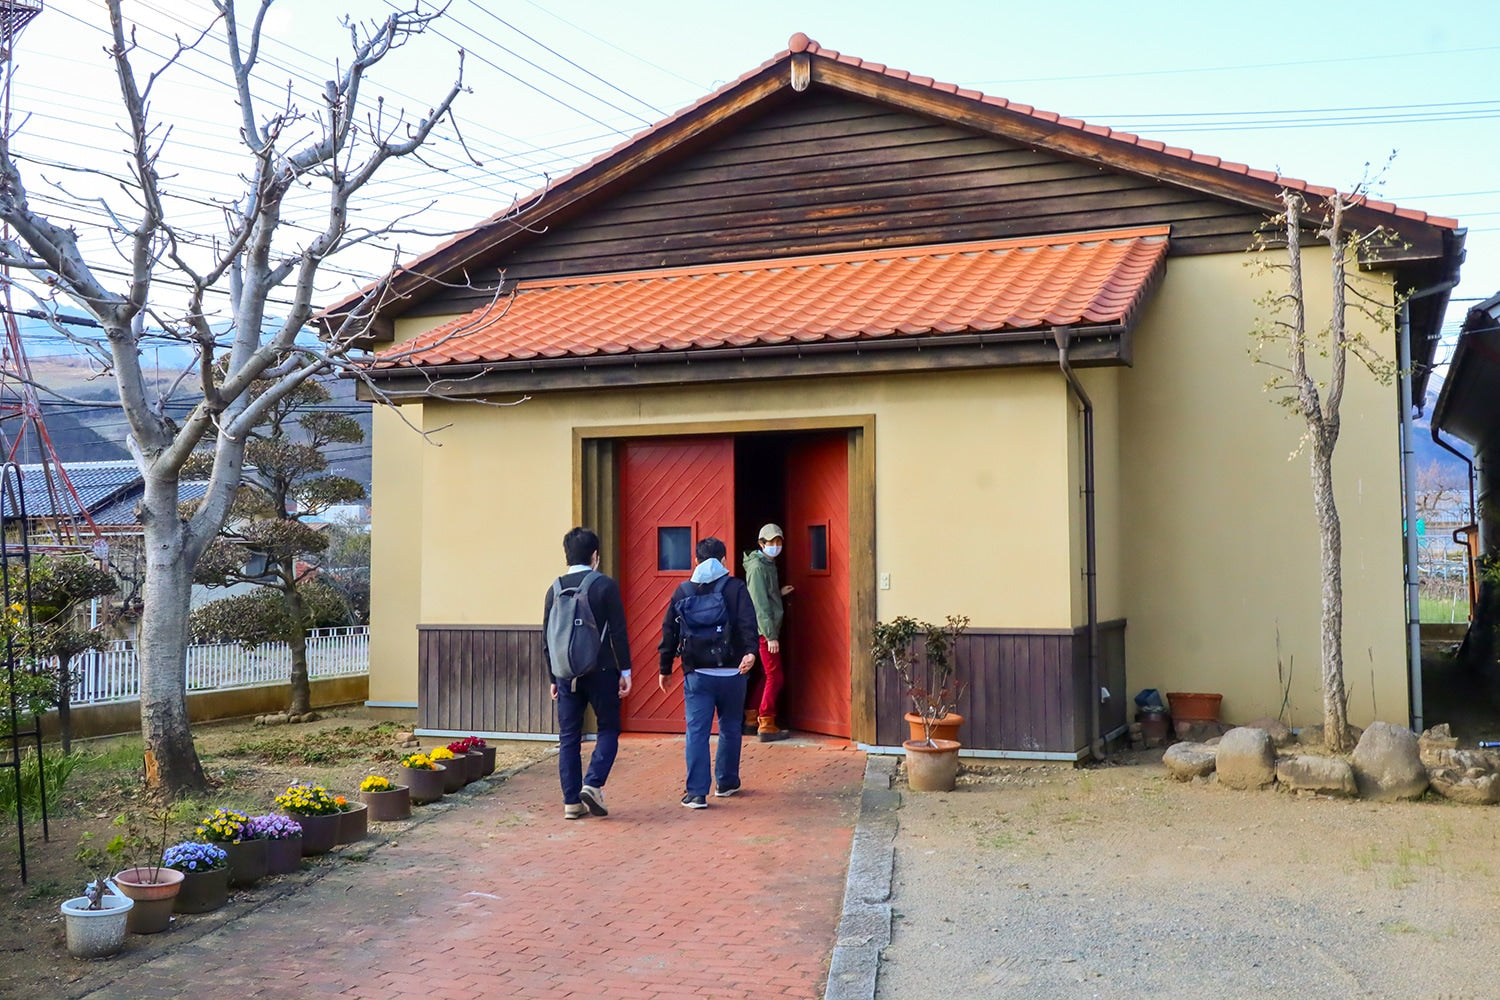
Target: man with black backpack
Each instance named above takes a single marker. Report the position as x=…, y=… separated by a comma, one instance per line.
x=587, y=652
x=710, y=625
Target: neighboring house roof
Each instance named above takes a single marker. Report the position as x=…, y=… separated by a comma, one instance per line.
x=1081, y=280
x=96, y=483
x=121, y=511
x=1468, y=407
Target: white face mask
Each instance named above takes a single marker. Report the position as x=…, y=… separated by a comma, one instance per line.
x=773, y=550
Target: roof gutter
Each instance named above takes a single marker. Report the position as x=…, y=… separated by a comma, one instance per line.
x=1409, y=498
x=1062, y=335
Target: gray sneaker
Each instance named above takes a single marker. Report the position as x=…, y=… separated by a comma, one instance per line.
x=594, y=799
x=574, y=810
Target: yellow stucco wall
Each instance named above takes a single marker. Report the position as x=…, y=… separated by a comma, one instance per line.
x=1220, y=543
x=397, y=454
x=971, y=475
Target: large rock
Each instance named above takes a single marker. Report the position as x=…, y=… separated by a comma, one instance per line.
x=1276, y=729
x=1316, y=775
x=1186, y=761
x=1468, y=776
x=1246, y=758
x=1435, y=744
x=1477, y=788
x=1312, y=736
x=1388, y=764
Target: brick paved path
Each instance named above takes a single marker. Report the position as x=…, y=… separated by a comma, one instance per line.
x=497, y=896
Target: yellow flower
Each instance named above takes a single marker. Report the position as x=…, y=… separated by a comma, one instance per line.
x=441, y=753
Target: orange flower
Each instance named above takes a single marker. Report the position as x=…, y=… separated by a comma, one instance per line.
x=340, y=801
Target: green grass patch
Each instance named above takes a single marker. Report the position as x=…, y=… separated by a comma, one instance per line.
x=1445, y=610
x=56, y=768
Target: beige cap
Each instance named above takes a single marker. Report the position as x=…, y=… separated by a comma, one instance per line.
x=769, y=532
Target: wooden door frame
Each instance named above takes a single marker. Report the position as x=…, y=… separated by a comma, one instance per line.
x=596, y=497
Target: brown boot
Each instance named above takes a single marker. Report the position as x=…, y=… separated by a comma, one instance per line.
x=751, y=719
x=767, y=732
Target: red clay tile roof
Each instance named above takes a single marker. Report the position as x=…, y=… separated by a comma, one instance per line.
x=1083, y=279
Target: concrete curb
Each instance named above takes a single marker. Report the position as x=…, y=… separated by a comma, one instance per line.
x=865, y=928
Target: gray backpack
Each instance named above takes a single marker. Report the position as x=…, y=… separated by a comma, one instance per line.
x=573, y=636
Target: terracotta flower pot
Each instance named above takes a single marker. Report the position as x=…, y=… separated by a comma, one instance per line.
x=426, y=786
x=488, y=753
x=455, y=774
x=319, y=833
x=153, y=890
x=283, y=856
x=931, y=768
x=354, y=823
x=202, y=891
x=945, y=728
x=247, y=862
x=1194, y=707
x=388, y=806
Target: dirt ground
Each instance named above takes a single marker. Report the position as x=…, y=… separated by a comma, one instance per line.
x=1117, y=881
x=248, y=766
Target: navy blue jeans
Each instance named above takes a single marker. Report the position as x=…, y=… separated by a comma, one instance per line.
x=600, y=689
x=702, y=696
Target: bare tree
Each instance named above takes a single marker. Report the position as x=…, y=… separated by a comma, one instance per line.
x=1316, y=397
x=333, y=150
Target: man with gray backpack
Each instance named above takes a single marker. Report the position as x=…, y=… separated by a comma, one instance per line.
x=587, y=652
x=710, y=625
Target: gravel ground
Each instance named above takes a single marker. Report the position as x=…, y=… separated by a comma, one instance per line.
x=1115, y=881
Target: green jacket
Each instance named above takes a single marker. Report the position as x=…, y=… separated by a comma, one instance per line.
x=765, y=592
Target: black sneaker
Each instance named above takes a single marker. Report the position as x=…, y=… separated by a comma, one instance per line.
x=724, y=791
x=695, y=801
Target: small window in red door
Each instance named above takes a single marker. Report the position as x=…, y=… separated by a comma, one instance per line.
x=817, y=549
x=674, y=549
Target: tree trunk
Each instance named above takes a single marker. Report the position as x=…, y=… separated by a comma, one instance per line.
x=64, y=703
x=1335, y=708
x=171, y=759
x=297, y=639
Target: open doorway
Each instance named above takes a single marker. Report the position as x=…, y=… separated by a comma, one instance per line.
x=674, y=491
x=800, y=481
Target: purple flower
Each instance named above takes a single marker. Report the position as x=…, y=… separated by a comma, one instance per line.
x=272, y=826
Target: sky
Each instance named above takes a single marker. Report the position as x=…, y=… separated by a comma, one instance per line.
x=1313, y=90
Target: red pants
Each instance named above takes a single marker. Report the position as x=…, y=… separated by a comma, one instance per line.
x=771, y=663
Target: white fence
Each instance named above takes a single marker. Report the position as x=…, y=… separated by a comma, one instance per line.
x=114, y=674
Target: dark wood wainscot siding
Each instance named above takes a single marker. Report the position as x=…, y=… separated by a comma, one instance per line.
x=483, y=679
x=827, y=173
x=1028, y=691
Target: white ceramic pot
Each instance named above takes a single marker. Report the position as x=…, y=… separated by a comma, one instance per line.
x=96, y=933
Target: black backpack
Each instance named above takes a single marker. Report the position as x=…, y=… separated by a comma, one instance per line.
x=703, y=627
x=573, y=635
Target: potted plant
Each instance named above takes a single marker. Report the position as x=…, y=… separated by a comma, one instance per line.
x=935, y=718
x=231, y=830
x=95, y=922
x=456, y=773
x=142, y=876
x=486, y=752
x=423, y=777
x=472, y=747
x=317, y=813
x=386, y=800
x=931, y=761
x=283, y=839
x=354, y=820
x=205, y=876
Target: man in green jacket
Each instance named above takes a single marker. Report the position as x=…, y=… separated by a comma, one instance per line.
x=766, y=593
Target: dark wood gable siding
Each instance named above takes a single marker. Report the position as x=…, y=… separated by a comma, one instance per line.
x=826, y=173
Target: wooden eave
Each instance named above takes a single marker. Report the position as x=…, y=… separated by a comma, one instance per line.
x=1092, y=346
